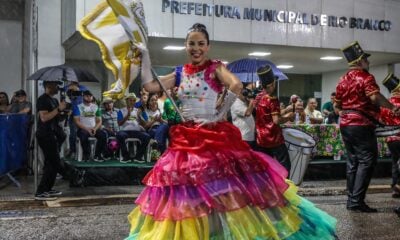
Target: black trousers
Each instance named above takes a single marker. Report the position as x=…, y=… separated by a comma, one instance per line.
x=50, y=146
x=280, y=153
x=362, y=151
x=394, y=148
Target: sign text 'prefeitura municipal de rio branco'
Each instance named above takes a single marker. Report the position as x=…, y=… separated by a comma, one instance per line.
x=278, y=16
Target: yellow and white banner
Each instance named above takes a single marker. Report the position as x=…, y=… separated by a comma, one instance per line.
x=117, y=27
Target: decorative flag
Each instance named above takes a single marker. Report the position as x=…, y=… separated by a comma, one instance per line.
x=117, y=44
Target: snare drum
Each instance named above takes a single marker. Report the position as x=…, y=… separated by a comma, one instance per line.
x=300, y=147
x=387, y=131
x=298, y=139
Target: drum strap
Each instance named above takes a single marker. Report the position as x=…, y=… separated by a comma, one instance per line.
x=373, y=120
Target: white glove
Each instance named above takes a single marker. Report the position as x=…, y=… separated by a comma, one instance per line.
x=146, y=74
x=229, y=99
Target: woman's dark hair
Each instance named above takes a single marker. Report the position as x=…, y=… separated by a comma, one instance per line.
x=198, y=27
x=6, y=95
x=148, y=99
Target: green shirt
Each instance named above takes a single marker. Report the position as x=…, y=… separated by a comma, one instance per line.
x=169, y=112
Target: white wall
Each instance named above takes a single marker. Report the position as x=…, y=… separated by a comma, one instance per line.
x=10, y=56
x=50, y=50
x=166, y=24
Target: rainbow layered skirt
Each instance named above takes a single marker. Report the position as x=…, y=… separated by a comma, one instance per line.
x=209, y=185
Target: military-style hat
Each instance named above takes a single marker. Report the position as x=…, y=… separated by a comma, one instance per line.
x=391, y=82
x=266, y=75
x=354, y=53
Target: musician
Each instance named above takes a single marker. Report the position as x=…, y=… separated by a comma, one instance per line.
x=358, y=96
x=268, y=117
x=392, y=83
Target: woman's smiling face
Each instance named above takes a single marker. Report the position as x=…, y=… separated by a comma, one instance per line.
x=197, y=48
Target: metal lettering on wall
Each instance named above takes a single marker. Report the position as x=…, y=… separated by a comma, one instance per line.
x=268, y=15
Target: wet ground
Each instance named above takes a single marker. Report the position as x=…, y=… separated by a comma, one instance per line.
x=108, y=220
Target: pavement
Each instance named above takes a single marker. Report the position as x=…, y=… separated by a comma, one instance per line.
x=12, y=197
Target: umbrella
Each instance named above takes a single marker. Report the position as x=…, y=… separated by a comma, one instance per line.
x=63, y=73
x=246, y=69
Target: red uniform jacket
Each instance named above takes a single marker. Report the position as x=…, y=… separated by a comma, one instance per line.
x=352, y=93
x=269, y=134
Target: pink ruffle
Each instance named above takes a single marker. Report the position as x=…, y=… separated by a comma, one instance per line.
x=202, y=154
x=180, y=202
x=209, y=76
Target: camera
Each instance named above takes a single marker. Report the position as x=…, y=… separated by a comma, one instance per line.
x=250, y=93
x=73, y=93
x=63, y=95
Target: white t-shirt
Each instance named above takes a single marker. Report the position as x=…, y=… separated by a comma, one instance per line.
x=245, y=124
x=87, y=114
x=313, y=114
x=153, y=114
x=131, y=123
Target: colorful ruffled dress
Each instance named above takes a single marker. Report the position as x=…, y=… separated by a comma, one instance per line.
x=209, y=184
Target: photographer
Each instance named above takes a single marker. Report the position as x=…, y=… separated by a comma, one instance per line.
x=74, y=92
x=242, y=117
x=50, y=136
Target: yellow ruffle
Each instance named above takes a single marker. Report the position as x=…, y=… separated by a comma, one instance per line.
x=245, y=223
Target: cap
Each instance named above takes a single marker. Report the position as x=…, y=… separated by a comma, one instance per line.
x=266, y=75
x=20, y=93
x=130, y=95
x=87, y=92
x=354, y=53
x=391, y=82
x=107, y=100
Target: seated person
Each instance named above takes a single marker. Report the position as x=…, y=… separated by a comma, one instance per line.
x=4, y=102
x=314, y=116
x=21, y=104
x=170, y=113
x=333, y=117
x=300, y=115
x=327, y=108
x=87, y=117
x=74, y=92
x=130, y=128
x=109, y=119
x=155, y=125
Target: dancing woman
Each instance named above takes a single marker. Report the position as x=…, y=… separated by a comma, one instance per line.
x=209, y=184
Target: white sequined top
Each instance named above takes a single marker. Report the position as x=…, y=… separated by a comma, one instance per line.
x=198, y=92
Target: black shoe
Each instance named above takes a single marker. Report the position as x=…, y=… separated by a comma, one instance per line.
x=71, y=155
x=106, y=157
x=98, y=158
x=44, y=197
x=54, y=193
x=138, y=161
x=362, y=208
x=396, y=191
x=125, y=160
x=397, y=211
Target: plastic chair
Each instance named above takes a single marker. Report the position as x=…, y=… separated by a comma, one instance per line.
x=92, y=142
x=132, y=150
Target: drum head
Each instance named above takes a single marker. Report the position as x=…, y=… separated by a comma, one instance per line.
x=298, y=138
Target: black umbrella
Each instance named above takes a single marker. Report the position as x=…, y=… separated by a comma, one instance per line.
x=63, y=73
